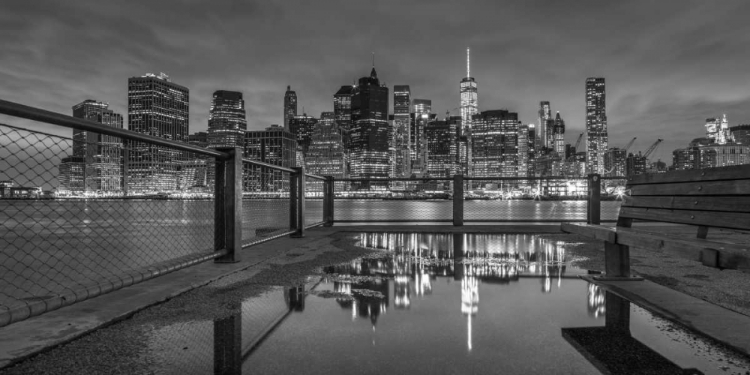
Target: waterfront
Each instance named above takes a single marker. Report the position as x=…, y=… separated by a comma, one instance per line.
x=50, y=246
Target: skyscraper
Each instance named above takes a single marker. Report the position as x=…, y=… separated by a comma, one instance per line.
x=96, y=157
x=226, y=120
x=290, y=106
x=495, y=144
x=326, y=155
x=546, y=125
x=469, y=103
x=157, y=107
x=342, y=111
x=369, y=132
x=422, y=115
x=441, y=148
x=596, y=125
x=401, y=145
x=558, y=132
x=302, y=128
x=276, y=146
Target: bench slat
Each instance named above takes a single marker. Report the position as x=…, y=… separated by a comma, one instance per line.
x=735, y=172
x=701, y=203
x=731, y=256
x=693, y=188
x=732, y=220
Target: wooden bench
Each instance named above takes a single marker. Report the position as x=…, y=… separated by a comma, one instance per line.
x=706, y=198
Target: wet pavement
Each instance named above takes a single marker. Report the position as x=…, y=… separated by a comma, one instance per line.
x=465, y=303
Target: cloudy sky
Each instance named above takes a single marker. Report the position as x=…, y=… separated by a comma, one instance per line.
x=668, y=64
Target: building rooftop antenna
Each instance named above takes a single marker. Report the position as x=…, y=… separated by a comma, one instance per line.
x=468, y=63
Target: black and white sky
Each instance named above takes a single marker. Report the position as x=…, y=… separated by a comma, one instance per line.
x=669, y=64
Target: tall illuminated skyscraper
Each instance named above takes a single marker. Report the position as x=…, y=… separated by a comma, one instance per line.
x=401, y=157
x=369, y=132
x=422, y=115
x=226, y=120
x=596, y=125
x=469, y=104
x=495, y=144
x=158, y=107
x=95, y=163
x=290, y=106
x=558, y=132
x=546, y=125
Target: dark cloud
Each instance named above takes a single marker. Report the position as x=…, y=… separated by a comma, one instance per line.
x=668, y=64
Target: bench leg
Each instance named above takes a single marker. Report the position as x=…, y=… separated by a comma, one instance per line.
x=616, y=260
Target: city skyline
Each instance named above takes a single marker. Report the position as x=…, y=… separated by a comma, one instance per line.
x=667, y=67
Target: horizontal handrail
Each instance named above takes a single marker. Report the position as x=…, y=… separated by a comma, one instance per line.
x=271, y=166
x=394, y=179
x=41, y=115
x=522, y=178
x=315, y=176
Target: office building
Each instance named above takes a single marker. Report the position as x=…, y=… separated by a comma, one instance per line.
x=558, y=135
x=95, y=165
x=441, y=148
x=596, y=125
x=326, y=155
x=226, y=120
x=369, y=133
x=495, y=144
x=290, y=106
x=274, y=145
x=546, y=126
x=302, y=127
x=400, y=141
x=160, y=108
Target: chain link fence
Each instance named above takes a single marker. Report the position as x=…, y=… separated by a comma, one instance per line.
x=80, y=218
x=314, y=193
x=265, y=203
x=407, y=200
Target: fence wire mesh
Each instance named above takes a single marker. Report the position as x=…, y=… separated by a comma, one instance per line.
x=81, y=218
x=313, y=201
x=418, y=200
x=525, y=200
x=265, y=203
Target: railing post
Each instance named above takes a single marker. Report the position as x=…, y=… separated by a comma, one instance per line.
x=125, y=165
x=593, y=213
x=228, y=205
x=328, y=190
x=298, y=197
x=458, y=200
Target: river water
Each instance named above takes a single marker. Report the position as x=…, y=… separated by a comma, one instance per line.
x=50, y=246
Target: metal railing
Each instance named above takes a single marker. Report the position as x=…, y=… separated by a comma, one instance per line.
x=461, y=199
x=108, y=208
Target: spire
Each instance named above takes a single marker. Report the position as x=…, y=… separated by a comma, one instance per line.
x=468, y=70
x=557, y=117
x=372, y=73
x=288, y=88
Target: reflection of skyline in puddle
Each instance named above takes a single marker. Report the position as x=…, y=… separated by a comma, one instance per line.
x=415, y=261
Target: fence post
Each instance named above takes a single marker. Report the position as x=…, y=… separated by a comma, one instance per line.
x=328, y=191
x=593, y=213
x=297, y=197
x=458, y=200
x=125, y=165
x=228, y=205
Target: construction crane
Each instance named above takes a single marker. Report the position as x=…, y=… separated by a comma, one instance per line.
x=652, y=148
x=627, y=146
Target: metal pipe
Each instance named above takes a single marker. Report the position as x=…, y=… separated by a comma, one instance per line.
x=271, y=166
x=41, y=115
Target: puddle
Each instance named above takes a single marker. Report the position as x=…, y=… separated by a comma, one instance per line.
x=510, y=304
